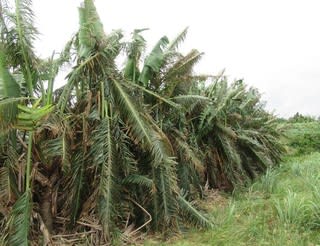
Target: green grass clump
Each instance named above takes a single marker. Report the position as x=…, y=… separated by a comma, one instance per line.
x=294, y=210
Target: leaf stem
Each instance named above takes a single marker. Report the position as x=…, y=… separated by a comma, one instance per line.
x=29, y=162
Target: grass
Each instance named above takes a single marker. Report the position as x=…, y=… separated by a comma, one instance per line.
x=280, y=208
x=302, y=138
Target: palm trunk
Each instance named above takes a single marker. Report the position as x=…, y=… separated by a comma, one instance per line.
x=45, y=208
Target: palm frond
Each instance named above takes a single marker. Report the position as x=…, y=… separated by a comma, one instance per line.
x=139, y=180
x=76, y=186
x=192, y=103
x=73, y=76
x=180, y=73
x=19, y=222
x=126, y=156
x=54, y=65
x=26, y=33
x=190, y=155
x=91, y=28
x=139, y=130
x=112, y=46
x=5, y=188
x=8, y=101
x=153, y=94
x=105, y=157
x=191, y=214
x=9, y=89
x=167, y=192
x=134, y=50
x=8, y=183
x=174, y=44
x=154, y=61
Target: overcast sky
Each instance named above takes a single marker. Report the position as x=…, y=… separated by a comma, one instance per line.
x=274, y=45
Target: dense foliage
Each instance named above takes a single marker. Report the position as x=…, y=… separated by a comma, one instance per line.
x=113, y=151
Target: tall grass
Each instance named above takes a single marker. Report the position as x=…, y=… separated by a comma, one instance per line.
x=293, y=210
x=268, y=182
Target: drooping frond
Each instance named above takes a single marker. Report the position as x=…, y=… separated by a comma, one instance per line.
x=139, y=126
x=76, y=186
x=5, y=188
x=193, y=215
x=105, y=157
x=139, y=180
x=190, y=155
x=8, y=183
x=19, y=222
x=139, y=129
x=238, y=129
x=166, y=185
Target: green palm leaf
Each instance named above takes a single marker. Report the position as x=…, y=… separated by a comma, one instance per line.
x=139, y=180
x=19, y=223
x=9, y=89
x=154, y=61
x=76, y=186
x=91, y=28
x=174, y=44
x=193, y=215
x=105, y=157
x=180, y=72
x=26, y=34
x=134, y=51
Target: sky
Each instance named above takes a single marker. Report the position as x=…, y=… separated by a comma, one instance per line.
x=274, y=45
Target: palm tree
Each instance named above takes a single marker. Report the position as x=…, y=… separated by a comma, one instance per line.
x=132, y=159
x=238, y=136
